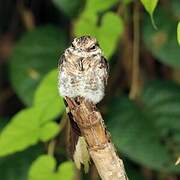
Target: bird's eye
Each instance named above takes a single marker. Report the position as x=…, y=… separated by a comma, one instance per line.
x=93, y=47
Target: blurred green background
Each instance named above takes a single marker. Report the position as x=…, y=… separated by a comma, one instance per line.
x=142, y=103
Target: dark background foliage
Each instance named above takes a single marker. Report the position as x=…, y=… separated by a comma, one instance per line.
x=142, y=103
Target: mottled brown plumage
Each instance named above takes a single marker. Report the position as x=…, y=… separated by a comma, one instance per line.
x=83, y=73
x=83, y=70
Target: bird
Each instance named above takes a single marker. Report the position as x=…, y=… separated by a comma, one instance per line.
x=83, y=70
x=83, y=73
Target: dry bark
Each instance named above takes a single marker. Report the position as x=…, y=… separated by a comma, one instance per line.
x=101, y=149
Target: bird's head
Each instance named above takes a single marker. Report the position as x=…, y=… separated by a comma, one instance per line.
x=85, y=46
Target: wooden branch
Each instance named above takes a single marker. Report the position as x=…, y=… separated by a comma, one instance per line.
x=101, y=149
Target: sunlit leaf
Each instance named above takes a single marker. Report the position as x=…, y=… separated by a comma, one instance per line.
x=48, y=131
x=150, y=6
x=107, y=33
x=66, y=171
x=44, y=169
x=178, y=33
x=20, y=133
x=25, y=129
x=47, y=96
x=109, y=30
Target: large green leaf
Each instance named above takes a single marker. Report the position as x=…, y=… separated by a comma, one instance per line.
x=107, y=33
x=47, y=96
x=25, y=129
x=48, y=131
x=44, y=169
x=163, y=43
x=34, y=124
x=149, y=133
x=16, y=166
x=33, y=56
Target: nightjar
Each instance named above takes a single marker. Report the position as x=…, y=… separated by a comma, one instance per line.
x=83, y=70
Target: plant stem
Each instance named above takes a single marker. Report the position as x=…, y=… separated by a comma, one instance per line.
x=52, y=143
x=134, y=92
x=51, y=147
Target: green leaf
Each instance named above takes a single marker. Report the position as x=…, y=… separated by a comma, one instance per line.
x=47, y=96
x=20, y=133
x=16, y=166
x=96, y=6
x=110, y=29
x=150, y=6
x=107, y=34
x=25, y=129
x=48, y=131
x=70, y=8
x=163, y=43
x=138, y=130
x=178, y=33
x=34, y=55
x=85, y=26
x=31, y=125
x=44, y=169
x=66, y=171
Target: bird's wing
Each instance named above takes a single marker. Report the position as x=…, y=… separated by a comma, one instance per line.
x=74, y=132
x=105, y=66
x=62, y=59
